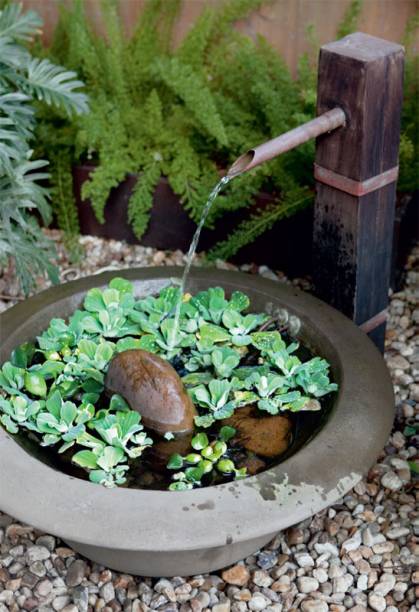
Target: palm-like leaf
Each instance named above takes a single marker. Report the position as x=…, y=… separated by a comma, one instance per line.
x=23, y=78
x=17, y=25
x=12, y=55
x=53, y=85
x=19, y=113
x=19, y=190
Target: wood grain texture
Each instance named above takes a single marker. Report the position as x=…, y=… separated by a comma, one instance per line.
x=353, y=234
x=283, y=22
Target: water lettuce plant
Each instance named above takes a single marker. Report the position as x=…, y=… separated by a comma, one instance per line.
x=227, y=357
x=208, y=456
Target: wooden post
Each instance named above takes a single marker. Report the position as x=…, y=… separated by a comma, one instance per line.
x=356, y=172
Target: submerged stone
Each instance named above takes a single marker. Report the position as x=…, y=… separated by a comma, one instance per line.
x=253, y=465
x=162, y=450
x=265, y=436
x=152, y=387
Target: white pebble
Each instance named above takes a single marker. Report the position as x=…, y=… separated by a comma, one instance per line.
x=304, y=559
x=327, y=547
x=362, y=582
x=352, y=543
x=386, y=584
x=258, y=602
x=321, y=575
x=391, y=481
x=397, y=532
x=377, y=602
x=314, y=605
x=306, y=584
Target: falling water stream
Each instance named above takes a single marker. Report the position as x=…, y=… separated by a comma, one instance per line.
x=191, y=252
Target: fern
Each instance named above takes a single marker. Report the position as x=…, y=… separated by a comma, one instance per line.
x=258, y=224
x=142, y=198
x=146, y=44
x=192, y=49
x=105, y=177
x=231, y=12
x=409, y=142
x=193, y=91
x=62, y=200
x=188, y=113
x=113, y=55
x=350, y=19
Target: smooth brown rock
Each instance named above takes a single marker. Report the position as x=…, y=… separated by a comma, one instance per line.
x=266, y=436
x=238, y=575
x=152, y=387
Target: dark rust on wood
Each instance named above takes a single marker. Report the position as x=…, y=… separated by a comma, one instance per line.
x=353, y=233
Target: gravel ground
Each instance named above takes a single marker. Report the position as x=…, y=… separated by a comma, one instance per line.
x=360, y=554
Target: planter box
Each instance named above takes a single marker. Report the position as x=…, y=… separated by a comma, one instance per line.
x=286, y=247
x=171, y=228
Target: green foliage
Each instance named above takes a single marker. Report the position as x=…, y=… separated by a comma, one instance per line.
x=350, y=19
x=186, y=113
x=62, y=201
x=409, y=141
x=181, y=113
x=227, y=358
x=210, y=456
x=24, y=79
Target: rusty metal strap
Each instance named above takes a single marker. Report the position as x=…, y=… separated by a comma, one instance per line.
x=374, y=322
x=355, y=188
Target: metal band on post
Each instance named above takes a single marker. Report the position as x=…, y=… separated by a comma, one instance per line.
x=355, y=188
x=374, y=322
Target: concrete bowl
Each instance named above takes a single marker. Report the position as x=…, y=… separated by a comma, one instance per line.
x=162, y=533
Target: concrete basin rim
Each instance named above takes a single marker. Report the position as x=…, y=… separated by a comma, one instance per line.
x=239, y=511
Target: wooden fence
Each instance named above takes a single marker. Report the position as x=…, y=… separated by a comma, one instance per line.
x=283, y=22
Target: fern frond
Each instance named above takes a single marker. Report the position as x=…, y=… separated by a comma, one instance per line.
x=63, y=202
x=144, y=46
x=256, y=225
x=166, y=24
x=152, y=120
x=84, y=47
x=350, y=19
x=192, y=49
x=113, y=55
x=141, y=199
x=61, y=190
x=232, y=11
x=107, y=175
x=409, y=143
x=195, y=94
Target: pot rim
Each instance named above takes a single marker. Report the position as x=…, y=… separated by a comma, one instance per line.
x=132, y=519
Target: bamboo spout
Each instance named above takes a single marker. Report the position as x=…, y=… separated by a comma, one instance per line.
x=272, y=148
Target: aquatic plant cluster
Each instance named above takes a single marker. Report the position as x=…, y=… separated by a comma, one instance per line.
x=54, y=388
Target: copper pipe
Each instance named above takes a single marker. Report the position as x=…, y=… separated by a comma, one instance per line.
x=272, y=148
